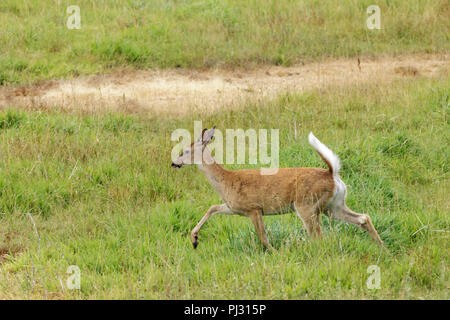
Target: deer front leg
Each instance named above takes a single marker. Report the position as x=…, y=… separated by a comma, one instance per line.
x=213, y=210
x=256, y=217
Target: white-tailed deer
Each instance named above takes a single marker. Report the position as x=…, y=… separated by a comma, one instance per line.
x=308, y=191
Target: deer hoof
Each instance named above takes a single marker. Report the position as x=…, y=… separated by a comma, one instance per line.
x=194, y=240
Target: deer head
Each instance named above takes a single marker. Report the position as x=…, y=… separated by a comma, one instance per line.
x=188, y=157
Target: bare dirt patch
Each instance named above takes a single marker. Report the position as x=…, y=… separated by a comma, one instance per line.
x=179, y=91
x=7, y=252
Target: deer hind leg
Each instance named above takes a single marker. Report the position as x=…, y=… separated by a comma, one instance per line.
x=256, y=217
x=213, y=210
x=343, y=213
x=309, y=214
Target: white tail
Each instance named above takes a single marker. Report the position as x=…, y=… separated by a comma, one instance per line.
x=326, y=154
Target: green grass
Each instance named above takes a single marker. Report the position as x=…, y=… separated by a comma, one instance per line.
x=35, y=43
x=103, y=196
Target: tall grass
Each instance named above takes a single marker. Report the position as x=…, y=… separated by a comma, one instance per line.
x=35, y=43
x=104, y=198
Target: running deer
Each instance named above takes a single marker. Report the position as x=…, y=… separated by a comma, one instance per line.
x=307, y=191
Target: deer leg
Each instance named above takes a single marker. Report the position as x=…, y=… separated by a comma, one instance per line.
x=362, y=220
x=213, y=210
x=309, y=214
x=256, y=217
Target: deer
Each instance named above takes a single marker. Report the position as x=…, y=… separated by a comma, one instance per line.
x=246, y=192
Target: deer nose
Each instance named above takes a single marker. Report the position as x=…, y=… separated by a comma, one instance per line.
x=174, y=165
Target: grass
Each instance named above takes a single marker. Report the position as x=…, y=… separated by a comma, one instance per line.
x=103, y=196
x=35, y=43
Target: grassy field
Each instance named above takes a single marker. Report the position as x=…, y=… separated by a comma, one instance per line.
x=95, y=188
x=35, y=43
x=101, y=192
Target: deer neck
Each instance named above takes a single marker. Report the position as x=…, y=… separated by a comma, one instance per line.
x=213, y=171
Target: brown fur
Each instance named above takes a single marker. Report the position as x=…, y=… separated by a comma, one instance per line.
x=249, y=190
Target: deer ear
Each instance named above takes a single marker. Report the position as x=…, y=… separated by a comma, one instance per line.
x=208, y=135
x=200, y=139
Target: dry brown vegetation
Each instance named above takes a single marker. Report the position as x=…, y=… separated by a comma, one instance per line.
x=179, y=91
